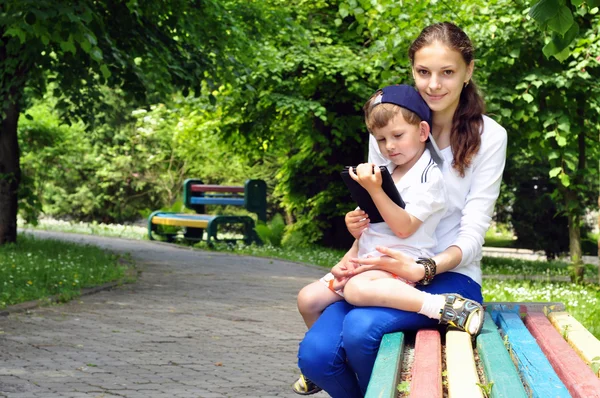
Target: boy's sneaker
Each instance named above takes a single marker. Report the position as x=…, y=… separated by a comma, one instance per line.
x=304, y=386
x=463, y=314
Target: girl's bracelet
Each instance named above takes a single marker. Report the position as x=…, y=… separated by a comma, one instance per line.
x=430, y=270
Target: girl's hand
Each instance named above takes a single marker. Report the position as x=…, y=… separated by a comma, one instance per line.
x=356, y=222
x=367, y=175
x=392, y=261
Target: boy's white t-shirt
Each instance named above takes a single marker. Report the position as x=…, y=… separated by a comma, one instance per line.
x=471, y=198
x=422, y=189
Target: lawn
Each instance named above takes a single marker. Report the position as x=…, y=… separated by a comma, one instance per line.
x=36, y=269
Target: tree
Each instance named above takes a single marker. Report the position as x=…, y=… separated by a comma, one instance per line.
x=550, y=96
x=146, y=48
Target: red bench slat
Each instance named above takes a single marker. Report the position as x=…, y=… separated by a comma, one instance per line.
x=215, y=188
x=426, y=379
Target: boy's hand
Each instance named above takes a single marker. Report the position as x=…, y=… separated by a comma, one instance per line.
x=356, y=222
x=367, y=175
x=344, y=269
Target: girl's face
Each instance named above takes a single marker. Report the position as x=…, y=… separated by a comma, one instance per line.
x=440, y=74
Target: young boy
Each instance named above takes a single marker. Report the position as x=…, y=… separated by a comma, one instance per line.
x=399, y=119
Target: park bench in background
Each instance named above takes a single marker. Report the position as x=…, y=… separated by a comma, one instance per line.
x=197, y=195
x=524, y=349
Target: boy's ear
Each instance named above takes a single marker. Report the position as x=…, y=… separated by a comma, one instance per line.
x=424, y=131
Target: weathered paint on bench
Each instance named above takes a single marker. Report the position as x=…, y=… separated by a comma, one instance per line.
x=426, y=381
x=460, y=366
x=531, y=351
x=385, y=372
x=497, y=363
x=577, y=376
x=540, y=379
x=582, y=341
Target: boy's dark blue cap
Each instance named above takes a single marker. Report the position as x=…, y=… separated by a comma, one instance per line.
x=407, y=97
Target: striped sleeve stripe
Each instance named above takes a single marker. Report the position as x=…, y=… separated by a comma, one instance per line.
x=426, y=170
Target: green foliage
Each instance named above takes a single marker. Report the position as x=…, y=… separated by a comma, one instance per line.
x=596, y=364
x=272, y=232
x=131, y=165
x=563, y=21
x=486, y=389
x=548, y=108
x=403, y=388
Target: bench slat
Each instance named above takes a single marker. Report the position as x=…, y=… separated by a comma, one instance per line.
x=582, y=341
x=215, y=188
x=199, y=200
x=572, y=370
x=426, y=379
x=182, y=220
x=384, y=377
x=535, y=369
x=497, y=364
x=460, y=366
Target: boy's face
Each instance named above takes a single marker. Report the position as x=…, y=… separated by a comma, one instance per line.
x=402, y=142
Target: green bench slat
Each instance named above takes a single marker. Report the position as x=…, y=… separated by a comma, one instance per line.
x=534, y=368
x=497, y=364
x=579, y=379
x=385, y=371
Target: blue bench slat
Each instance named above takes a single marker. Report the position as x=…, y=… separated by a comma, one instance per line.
x=538, y=374
x=198, y=200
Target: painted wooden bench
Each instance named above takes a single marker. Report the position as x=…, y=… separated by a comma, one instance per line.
x=524, y=350
x=196, y=196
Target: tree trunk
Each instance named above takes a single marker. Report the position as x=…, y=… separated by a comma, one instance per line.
x=575, y=247
x=10, y=174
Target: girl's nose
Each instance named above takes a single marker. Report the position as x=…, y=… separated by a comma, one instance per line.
x=434, y=83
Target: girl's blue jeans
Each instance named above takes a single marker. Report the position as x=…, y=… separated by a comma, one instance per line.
x=339, y=350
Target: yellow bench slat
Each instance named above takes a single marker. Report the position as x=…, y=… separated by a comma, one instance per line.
x=179, y=222
x=582, y=341
x=460, y=366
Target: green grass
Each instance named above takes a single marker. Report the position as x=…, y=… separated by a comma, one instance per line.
x=512, y=266
x=35, y=269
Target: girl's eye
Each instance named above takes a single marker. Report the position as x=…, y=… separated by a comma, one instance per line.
x=448, y=72
x=398, y=135
x=381, y=140
x=422, y=72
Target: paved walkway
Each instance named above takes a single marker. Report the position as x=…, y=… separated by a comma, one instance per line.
x=196, y=324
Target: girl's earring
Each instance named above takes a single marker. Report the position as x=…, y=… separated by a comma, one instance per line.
x=466, y=84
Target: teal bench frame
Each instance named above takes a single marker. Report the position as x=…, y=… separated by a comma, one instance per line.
x=196, y=196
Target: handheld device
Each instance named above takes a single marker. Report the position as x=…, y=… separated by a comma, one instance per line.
x=363, y=199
